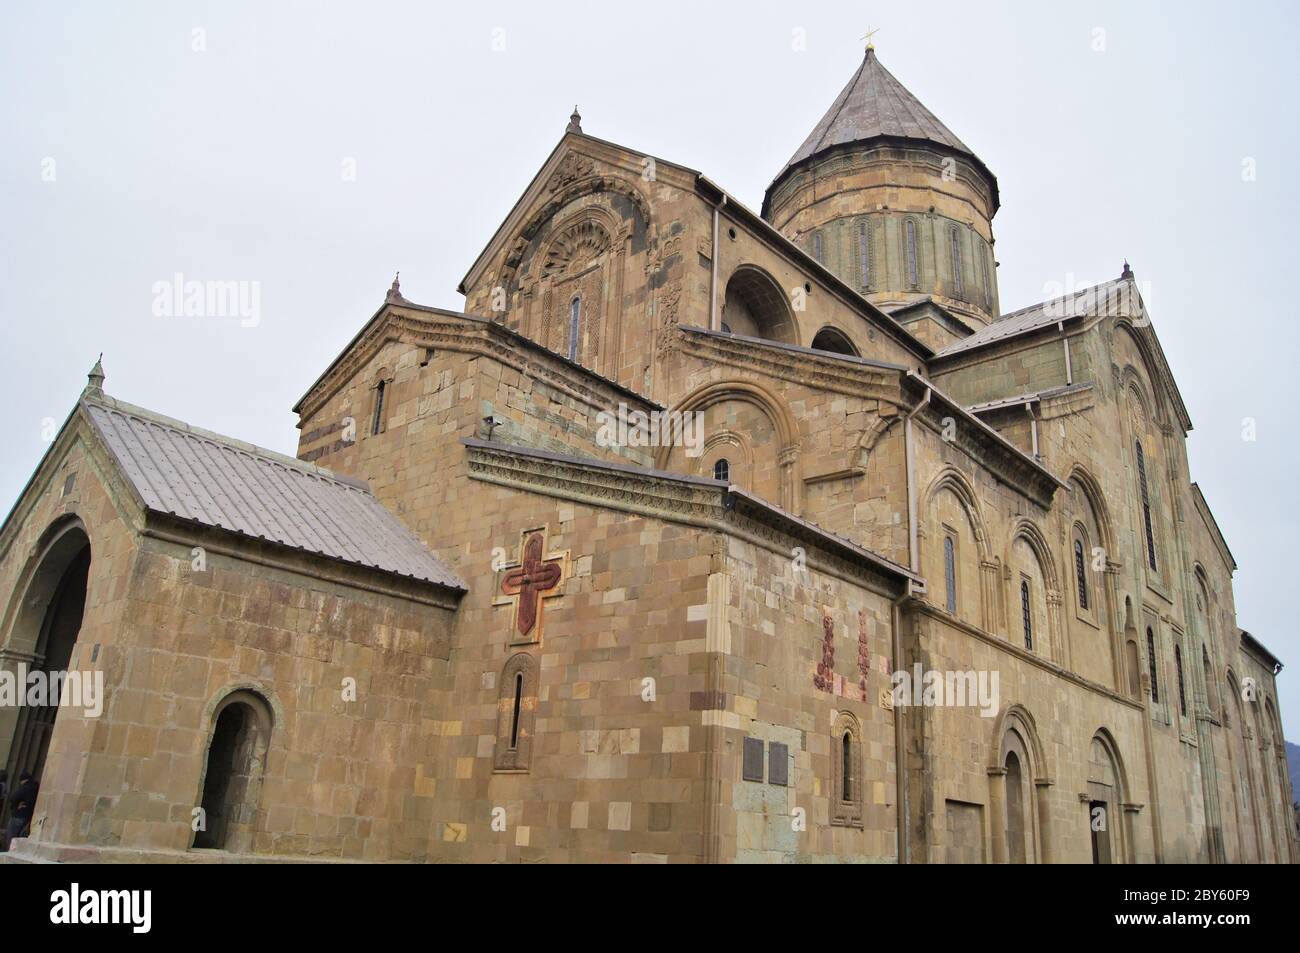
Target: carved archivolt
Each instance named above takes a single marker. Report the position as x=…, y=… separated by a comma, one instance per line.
x=575, y=248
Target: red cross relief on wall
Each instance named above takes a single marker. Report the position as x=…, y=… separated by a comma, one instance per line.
x=534, y=578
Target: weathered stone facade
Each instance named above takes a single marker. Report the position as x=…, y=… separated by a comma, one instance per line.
x=624, y=652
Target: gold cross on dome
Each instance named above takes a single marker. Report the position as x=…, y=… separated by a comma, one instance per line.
x=870, y=34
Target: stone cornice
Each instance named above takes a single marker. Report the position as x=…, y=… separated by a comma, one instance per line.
x=451, y=330
x=842, y=374
x=172, y=530
x=925, y=608
x=1004, y=460
x=706, y=504
x=1212, y=525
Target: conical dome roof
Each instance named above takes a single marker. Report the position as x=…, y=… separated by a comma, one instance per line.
x=875, y=105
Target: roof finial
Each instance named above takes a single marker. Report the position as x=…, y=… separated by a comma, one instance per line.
x=870, y=33
x=575, y=122
x=1127, y=273
x=95, y=379
x=395, y=292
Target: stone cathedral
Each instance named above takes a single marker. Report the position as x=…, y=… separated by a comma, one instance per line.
x=905, y=578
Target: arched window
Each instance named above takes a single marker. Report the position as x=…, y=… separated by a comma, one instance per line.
x=377, y=423
x=722, y=470
x=1026, y=615
x=1210, y=689
x=817, y=247
x=756, y=306
x=1151, y=665
x=514, y=721
x=864, y=254
x=516, y=711
x=909, y=228
x=833, y=340
x=575, y=322
x=1146, y=505
x=955, y=244
x=846, y=787
x=1080, y=574
x=950, y=573
x=846, y=768
x=1182, y=689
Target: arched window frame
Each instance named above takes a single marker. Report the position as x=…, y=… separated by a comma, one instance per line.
x=1081, y=572
x=950, y=570
x=1145, y=495
x=846, y=772
x=1211, y=685
x=984, y=275
x=954, y=242
x=379, y=403
x=575, y=326
x=1153, y=668
x=722, y=469
x=1027, y=612
x=516, y=714
x=1182, y=684
x=911, y=255
x=866, y=260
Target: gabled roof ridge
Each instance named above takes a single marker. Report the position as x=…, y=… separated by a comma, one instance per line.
x=242, y=446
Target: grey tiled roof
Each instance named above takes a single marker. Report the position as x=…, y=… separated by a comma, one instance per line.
x=1096, y=300
x=875, y=104
x=234, y=486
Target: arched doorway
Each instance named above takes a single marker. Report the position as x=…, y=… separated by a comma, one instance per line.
x=232, y=777
x=1106, y=796
x=46, y=622
x=1015, y=810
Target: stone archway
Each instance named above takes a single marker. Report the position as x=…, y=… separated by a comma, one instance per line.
x=233, y=771
x=1019, y=782
x=46, y=617
x=1107, y=803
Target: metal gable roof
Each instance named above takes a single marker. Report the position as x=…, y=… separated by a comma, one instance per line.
x=226, y=484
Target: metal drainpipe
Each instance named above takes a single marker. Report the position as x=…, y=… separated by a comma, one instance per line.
x=913, y=552
x=896, y=622
x=1033, y=426
x=900, y=757
x=714, y=324
x=1069, y=370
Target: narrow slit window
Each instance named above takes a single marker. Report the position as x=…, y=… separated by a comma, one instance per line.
x=1026, y=615
x=910, y=230
x=1081, y=574
x=1151, y=665
x=377, y=425
x=846, y=767
x=864, y=253
x=1182, y=688
x=575, y=322
x=955, y=242
x=817, y=247
x=1146, y=506
x=514, y=720
x=984, y=274
x=950, y=573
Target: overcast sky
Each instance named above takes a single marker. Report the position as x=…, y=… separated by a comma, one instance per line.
x=315, y=148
